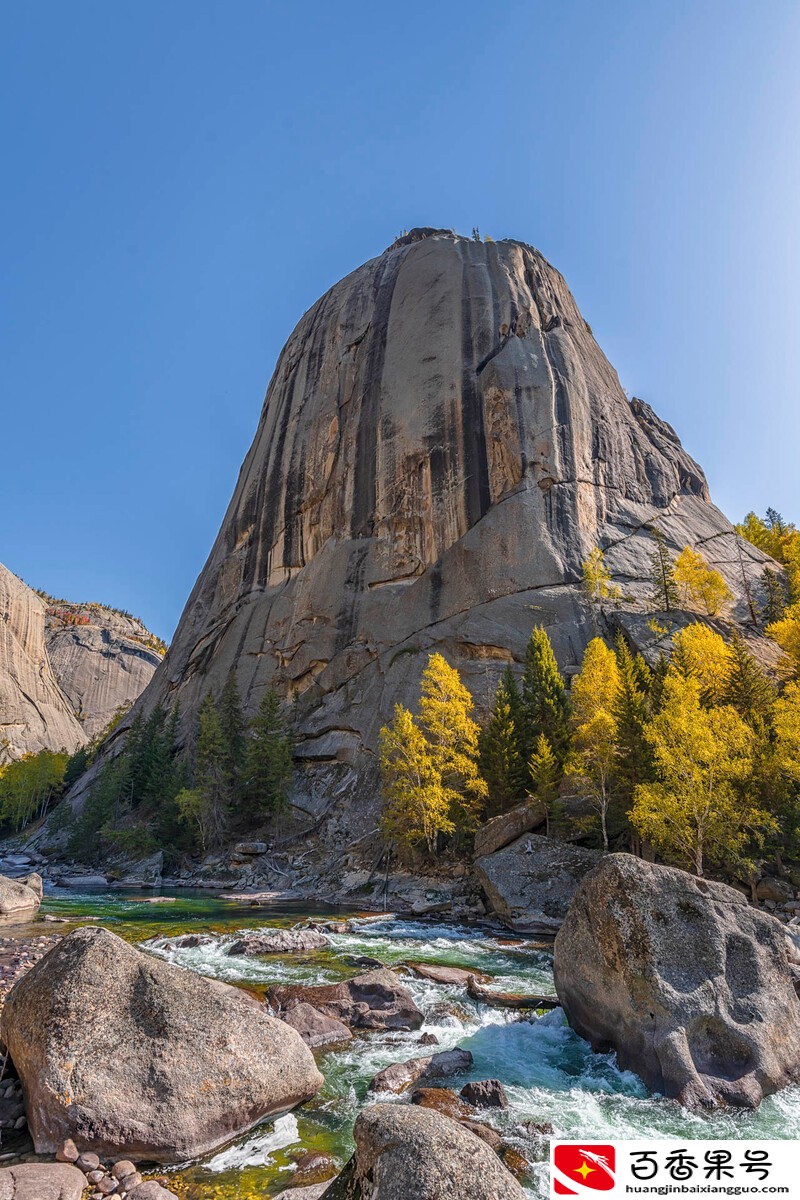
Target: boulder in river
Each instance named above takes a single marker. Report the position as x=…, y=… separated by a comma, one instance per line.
x=42, y=1181
x=316, y=1028
x=459, y=976
x=688, y=983
x=375, y=1000
x=399, y=1076
x=20, y=898
x=278, y=941
x=485, y=1093
x=530, y=883
x=405, y=1151
x=129, y=1055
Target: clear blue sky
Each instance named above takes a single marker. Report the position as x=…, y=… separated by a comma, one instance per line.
x=183, y=179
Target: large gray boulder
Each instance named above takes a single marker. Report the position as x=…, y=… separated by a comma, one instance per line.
x=20, y=898
x=397, y=1077
x=688, y=983
x=42, y=1181
x=530, y=884
x=375, y=1000
x=501, y=830
x=131, y=1056
x=441, y=445
x=404, y=1152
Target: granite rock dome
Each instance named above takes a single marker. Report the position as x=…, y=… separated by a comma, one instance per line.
x=441, y=445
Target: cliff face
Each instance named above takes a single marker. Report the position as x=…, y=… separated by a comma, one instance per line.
x=34, y=713
x=101, y=658
x=65, y=668
x=441, y=445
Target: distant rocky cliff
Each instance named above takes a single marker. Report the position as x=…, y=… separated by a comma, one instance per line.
x=65, y=668
x=441, y=445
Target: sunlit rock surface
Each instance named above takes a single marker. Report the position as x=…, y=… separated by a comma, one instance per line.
x=441, y=445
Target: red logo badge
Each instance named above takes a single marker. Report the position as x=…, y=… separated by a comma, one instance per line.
x=583, y=1166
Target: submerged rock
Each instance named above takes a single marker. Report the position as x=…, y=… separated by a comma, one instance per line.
x=405, y=1151
x=530, y=884
x=42, y=1181
x=374, y=1000
x=129, y=1055
x=688, y=983
x=278, y=941
x=20, y=898
x=399, y=1076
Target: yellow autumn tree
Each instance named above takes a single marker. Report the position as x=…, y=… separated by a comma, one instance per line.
x=698, y=807
x=416, y=805
x=786, y=633
x=701, y=654
x=594, y=757
x=786, y=725
x=445, y=710
x=699, y=584
x=597, y=583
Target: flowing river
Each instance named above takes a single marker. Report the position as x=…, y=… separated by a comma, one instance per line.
x=550, y=1075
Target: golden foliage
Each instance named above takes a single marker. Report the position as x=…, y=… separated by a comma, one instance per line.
x=700, y=585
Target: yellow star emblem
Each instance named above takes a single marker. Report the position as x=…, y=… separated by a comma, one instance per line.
x=584, y=1169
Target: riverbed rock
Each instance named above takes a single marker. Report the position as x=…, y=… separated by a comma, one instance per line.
x=20, y=898
x=315, y=1028
x=398, y=1077
x=485, y=1093
x=530, y=884
x=458, y=976
x=500, y=831
x=405, y=1151
x=687, y=982
x=41, y=1181
x=312, y=1191
x=131, y=1056
x=278, y=941
x=147, y=872
x=375, y=1000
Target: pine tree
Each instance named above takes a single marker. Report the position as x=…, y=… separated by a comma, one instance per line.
x=633, y=711
x=211, y=779
x=773, y=605
x=544, y=775
x=268, y=758
x=747, y=688
x=664, y=589
x=231, y=720
x=500, y=762
x=545, y=704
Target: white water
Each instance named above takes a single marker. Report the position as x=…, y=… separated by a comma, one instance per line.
x=550, y=1074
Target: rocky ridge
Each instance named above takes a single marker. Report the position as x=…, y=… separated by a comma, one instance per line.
x=65, y=668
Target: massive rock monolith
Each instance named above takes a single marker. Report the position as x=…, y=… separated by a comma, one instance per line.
x=441, y=445
x=690, y=985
